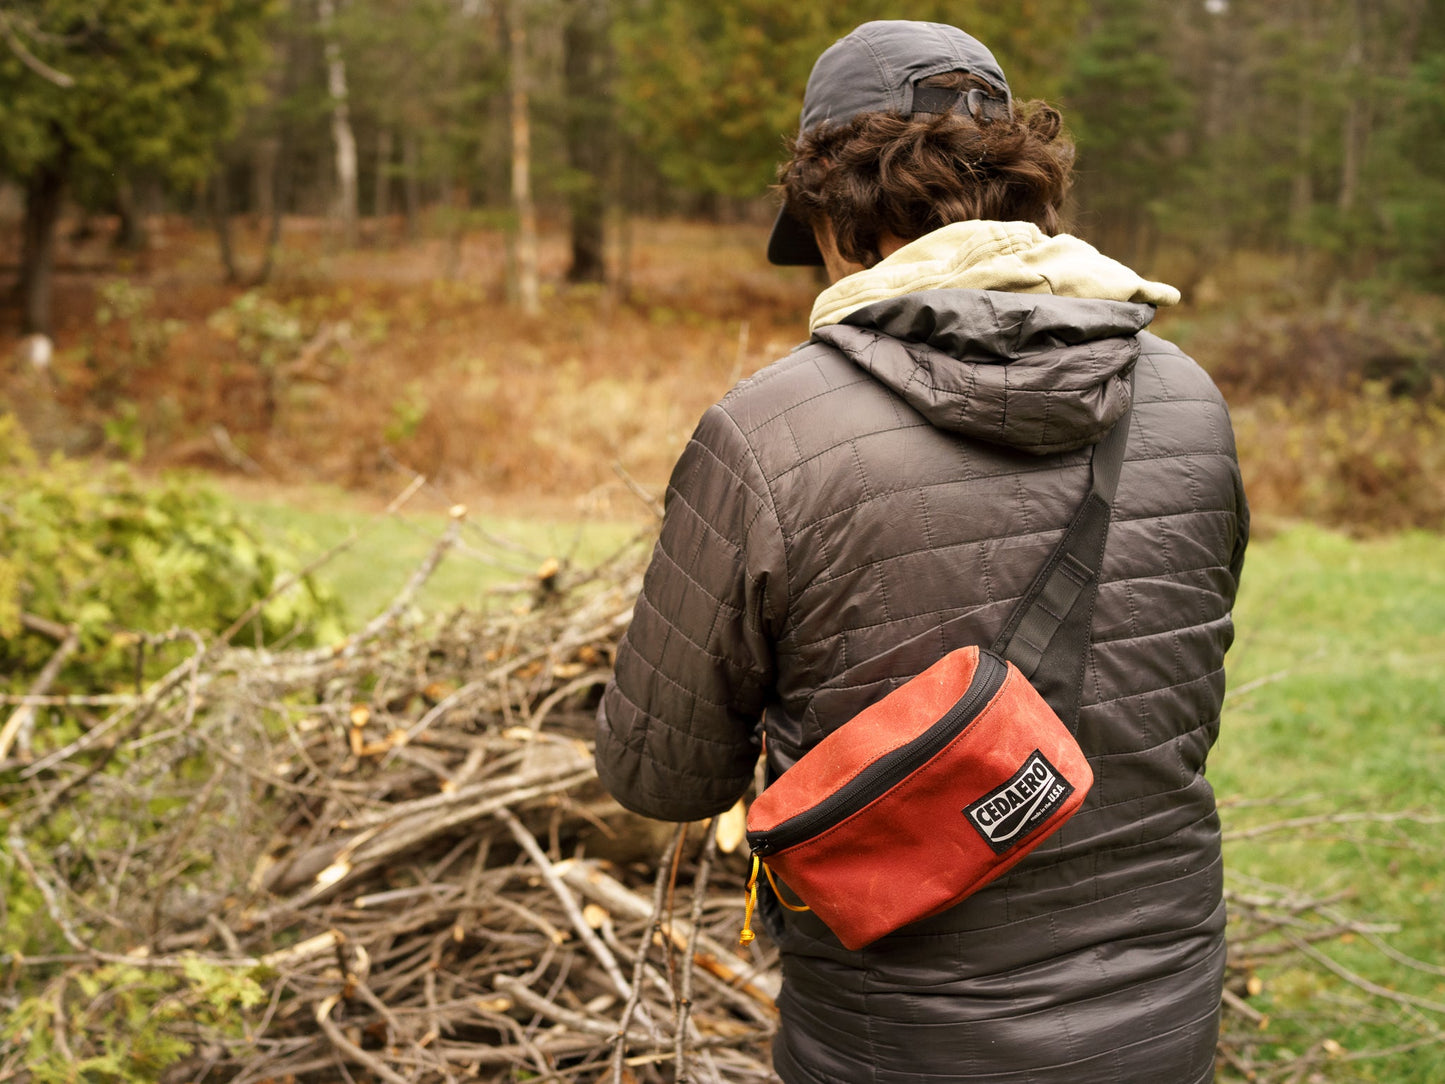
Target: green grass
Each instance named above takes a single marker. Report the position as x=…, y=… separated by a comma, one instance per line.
x=491, y=554
x=1337, y=707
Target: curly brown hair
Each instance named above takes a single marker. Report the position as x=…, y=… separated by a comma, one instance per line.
x=886, y=174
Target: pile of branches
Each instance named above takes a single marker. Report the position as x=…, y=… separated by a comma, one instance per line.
x=390, y=860
x=401, y=841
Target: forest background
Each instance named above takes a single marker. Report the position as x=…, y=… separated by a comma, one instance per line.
x=516, y=246
x=319, y=252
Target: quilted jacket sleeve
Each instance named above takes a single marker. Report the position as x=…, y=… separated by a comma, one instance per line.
x=677, y=726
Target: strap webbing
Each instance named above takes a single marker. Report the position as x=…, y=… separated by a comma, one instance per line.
x=1047, y=634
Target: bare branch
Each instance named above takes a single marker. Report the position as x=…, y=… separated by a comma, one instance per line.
x=29, y=59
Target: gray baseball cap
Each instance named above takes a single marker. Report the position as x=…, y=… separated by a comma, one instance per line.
x=876, y=69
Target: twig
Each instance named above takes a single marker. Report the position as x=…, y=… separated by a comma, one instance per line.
x=653, y=504
x=684, y=1000
x=22, y=718
x=525, y=995
x=287, y=582
x=191, y=667
x=43, y=625
x=569, y=904
x=29, y=59
x=1372, y=988
x=654, y=924
x=1244, y=1008
x=57, y=915
x=591, y=880
x=1296, y=823
x=231, y=452
x=1269, y=679
x=350, y=1050
x=535, y=719
x=482, y=963
x=139, y=705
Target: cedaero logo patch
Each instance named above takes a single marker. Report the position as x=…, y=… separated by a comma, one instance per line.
x=1008, y=814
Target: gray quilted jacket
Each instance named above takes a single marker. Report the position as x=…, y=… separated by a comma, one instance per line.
x=882, y=496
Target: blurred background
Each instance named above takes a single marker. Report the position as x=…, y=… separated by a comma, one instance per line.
x=518, y=246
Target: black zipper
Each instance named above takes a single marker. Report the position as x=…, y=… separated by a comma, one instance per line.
x=887, y=771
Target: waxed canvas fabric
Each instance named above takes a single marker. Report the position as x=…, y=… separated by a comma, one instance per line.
x=916, y=849
x=898, y=481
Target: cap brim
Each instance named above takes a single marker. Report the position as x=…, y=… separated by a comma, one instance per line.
x=792, y=243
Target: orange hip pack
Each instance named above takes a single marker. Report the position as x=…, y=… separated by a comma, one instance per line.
x=922, y=798
x=956, y=775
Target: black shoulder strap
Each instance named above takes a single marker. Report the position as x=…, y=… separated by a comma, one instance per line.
x=1048, y=633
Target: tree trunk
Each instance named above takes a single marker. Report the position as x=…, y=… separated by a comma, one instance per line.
x=411, y=184
x=221, y=220
x=1352, y=136
x=342, y=136
x=131, y=203
x=279, y=156
x=589, y=131
x=44, y=194
x=1302, y=194
x=278, y=199
x=263, y=177
x=622, y=284
x=528, y=290
x=381, y=202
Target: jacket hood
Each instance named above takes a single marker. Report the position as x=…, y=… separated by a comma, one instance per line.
x=977, y=338
x=1017, y=257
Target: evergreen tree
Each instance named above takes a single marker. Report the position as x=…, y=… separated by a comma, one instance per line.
x=150, y=86
x=712, y=88
x=1127, y=108
x=1410, y=169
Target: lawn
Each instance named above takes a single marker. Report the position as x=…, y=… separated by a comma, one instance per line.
x=379, y=551
x=1336, y=710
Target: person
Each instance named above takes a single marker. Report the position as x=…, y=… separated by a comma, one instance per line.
x=885, y=494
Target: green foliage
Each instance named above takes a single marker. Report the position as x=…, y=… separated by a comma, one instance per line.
x=95, y=92
x=155, y=83
x=25, y=926
x=710, y=90
x=1374, y=464
x=425, y=75
x=407, y=414
x=1126, y=109
x=221, y=987
x=430, y=69
x=122, y=300
x=124, y=432
x=265, y=331
x=1310, y=128
x=1413, y=175
x=122, y=1024
x=118, y=559
x=129, y=339
x=1339, y=412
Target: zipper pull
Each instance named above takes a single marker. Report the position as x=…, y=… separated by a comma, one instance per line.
x=747, y=936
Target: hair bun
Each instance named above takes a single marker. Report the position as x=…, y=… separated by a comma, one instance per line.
x=1046, y=122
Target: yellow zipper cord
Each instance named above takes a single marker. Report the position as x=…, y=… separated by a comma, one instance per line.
x=747, y=936
x=781, y=898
